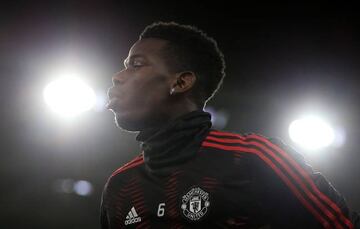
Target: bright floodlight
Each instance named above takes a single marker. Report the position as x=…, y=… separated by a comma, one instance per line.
x=311, y=133
x=69, y=96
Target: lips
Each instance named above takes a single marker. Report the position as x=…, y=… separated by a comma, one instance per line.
x=112, y=104
x=113, y=99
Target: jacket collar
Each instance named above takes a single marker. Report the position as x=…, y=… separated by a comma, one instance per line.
x=175, y=142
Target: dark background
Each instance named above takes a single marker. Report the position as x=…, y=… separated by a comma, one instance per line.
x=282, y=60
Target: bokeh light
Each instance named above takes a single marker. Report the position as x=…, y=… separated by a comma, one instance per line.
x=71, y=186
x=83, y=188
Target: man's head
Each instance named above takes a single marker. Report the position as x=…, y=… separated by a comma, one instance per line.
x=171, y=70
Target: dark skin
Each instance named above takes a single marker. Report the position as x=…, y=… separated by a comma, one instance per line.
x=146, y=93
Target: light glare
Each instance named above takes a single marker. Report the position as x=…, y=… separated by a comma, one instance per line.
x=69, y=96
x=311, y=133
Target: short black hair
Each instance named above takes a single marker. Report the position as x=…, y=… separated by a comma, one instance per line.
x=194, y=51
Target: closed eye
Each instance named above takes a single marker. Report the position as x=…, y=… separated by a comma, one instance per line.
x=134, y=62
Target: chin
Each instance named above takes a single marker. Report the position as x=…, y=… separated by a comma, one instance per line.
x=127, y=123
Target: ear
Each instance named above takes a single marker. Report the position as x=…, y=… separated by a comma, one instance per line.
x=183, y=82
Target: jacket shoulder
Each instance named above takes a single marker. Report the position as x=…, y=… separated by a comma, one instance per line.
x=230, y=141
x=246, y=143
x=131, y=164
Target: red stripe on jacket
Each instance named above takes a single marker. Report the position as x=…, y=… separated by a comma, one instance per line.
x=133, y=163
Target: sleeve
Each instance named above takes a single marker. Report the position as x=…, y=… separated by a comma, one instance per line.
x=293, y=195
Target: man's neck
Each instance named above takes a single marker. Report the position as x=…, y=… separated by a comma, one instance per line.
x=179, y=109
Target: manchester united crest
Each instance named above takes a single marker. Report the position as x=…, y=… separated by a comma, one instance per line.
x=195, y=204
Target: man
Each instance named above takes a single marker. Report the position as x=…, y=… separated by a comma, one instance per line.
x=189, y=175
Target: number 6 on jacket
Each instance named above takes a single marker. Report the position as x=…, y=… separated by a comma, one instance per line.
x=161, y=210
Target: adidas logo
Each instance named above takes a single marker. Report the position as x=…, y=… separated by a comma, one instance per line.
x=132, y=217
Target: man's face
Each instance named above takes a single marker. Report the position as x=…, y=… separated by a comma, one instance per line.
x=140, y=96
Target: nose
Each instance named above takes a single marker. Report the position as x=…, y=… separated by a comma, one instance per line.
x=118, y=78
